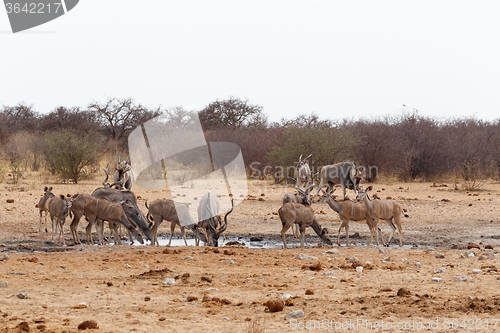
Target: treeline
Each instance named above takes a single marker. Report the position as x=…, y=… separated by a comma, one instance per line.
x=70, y=141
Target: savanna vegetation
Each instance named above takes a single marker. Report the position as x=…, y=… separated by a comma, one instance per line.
x=70, y=142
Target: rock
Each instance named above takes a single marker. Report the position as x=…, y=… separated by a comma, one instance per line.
x=440, y=256
x=309, y=292
x=147, y=299
x=22, y=295
x=403, y=292
x=470, y=298
x=169, y=281
x=188, y=258
x=489, y=247
x=5, y=256
x=4, y=284
x=429, y=250
x=286, y=296
x=352, y=259
x=464, y=278
x=302, y=256
x=476, y=271
x=256, y=239
x=10, y=200
x=441, y=270
x=128, y=266
x=275, y=306
x=206, y=279
x=482, y=257
x=417, y=265
x=359, y=269
x=88, y=325
x=332, y=251
x=386, y=259
x=329, y=273
x=436, y=279
x=295, y=314
x=473, y=246
x=231, y=262
x=226, y=318
x=382, y=250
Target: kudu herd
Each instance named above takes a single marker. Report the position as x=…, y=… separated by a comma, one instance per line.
x=117, y=204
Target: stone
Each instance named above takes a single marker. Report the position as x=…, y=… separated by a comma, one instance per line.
x=5, y=256
x=403, y=292
x=128, y=266
x=4, y=284
x=436, y=279
x=382, y=250
x=286, y=296
x=476, y=271
x=22, y=295
x=275, y=306
x=295, y=314
x=482, y=257
x=169, y=281
x=188, y=258
x=359, y=269
x=417, y=265
x=329, y=273
x=302, y=256
x=332, y=251
x=439, y=271
x=463, y=278
x=440, y=256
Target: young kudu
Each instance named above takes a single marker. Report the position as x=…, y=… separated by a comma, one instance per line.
x=42, y=207
x=388, y=210
x=294, y=213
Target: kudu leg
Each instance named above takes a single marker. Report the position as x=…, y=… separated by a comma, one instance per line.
x=183, y=232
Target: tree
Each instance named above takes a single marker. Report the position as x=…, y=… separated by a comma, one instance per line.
x=119, y=117
x=232, y=113
x=69, y=152
x=70, y=118
x=21, y=117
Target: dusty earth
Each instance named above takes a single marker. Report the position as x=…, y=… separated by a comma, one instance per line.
x=53, y=288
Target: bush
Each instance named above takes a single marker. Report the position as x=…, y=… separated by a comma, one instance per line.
x=68, y=153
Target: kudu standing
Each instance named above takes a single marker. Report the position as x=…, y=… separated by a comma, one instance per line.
x=345, y=173
x=387, y=210
x=42, y=207
x=294, y=213
x=173, y=212
x=303, y=173
x=124, y=174
x=105, y=210
x=348, y=211
x=59, y=208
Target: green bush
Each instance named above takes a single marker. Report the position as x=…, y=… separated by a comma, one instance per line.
x=68, y=152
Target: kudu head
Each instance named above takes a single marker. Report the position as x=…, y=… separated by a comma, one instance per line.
x=362, y=194
x=306, y=195
x=327, y=195
x=217, y=230
x=134, y=217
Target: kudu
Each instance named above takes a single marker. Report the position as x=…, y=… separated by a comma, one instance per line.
x=348, y=211
x=294, y=213
x=345, y=173
x=388, y=210
x=209, y=218
x=59, y=208
x=298, y=198
x=124, y=174
x=114, y=213
x=115, y=195
x=41, y=206
x=303, y=173
x=173, y=212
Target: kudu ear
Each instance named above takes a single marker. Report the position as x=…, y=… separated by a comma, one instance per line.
x=45, y=189
x=61, y=196
x=50, y=188
x=369, y=188
x=128, y=159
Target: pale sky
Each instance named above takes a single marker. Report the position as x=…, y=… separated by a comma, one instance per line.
x=340, y=59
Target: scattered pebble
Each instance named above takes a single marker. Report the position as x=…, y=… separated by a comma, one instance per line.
x=441, y=270
x=188, y=258
x=476, y=271
x=5, y=256
x=295, y=314
x=417, y=265
x=382, y=250
x=359, y=269
x=482, y=257
x=352, y=259
x=226, y=318
x=4, y=284
x=436, y=279
x=309, y=292
x=332, y=251
x=402, y=292
x=329, y=273
x=169, y=281
x=88, y=325
x=22, y=295
x=128, y=266
x=464, y=278
x=286, y=296
x=275, y=306
x=440, y=256
x=302, y=256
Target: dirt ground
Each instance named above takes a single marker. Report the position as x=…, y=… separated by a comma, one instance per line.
x=52, y=288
